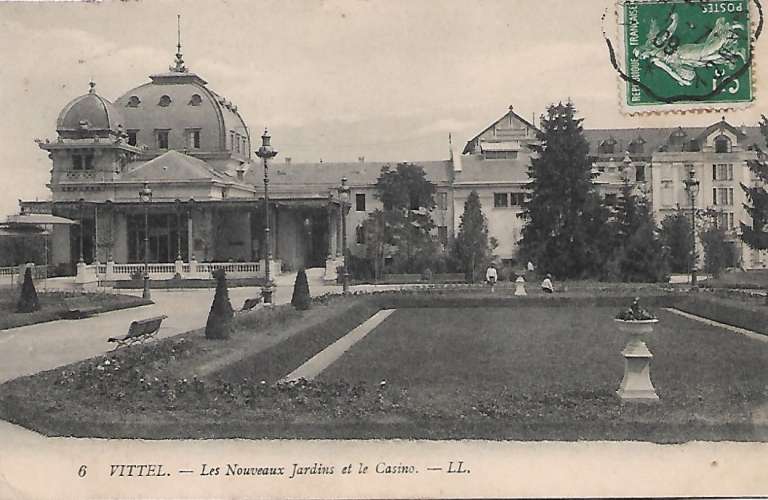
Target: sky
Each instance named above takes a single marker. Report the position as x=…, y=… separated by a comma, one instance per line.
x=333, y=80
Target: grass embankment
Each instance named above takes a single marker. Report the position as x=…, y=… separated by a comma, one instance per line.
x=53, y=307
x=467, y=367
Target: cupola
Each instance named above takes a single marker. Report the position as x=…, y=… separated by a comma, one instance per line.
x=89, y=115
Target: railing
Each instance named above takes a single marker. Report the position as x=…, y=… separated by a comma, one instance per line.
x=10, y=275
x=230, y=267
x=193, y=270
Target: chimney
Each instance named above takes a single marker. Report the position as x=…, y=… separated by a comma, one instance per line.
x=287, y=160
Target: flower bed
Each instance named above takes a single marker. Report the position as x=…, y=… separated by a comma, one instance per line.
x=52, y=306
x=500, y=368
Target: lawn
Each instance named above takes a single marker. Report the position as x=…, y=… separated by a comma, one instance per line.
x=52, y=305
x=519, y=370
x=561, y=364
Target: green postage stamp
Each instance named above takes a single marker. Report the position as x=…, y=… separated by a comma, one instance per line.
x=685, y=55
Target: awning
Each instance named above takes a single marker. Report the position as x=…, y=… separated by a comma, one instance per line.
x=36, y=219
x=23, y=231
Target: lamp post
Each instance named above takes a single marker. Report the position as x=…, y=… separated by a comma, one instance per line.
x=145, y=196
x=266, y=152
x=343, y=201
x=692, y=187
x=81, y=206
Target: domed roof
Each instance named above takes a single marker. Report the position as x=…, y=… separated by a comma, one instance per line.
x=89, y=112
x=179, y=101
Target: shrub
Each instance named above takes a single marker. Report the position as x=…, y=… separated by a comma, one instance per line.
x=301, y=299
x=219, y=325
x=28, y=301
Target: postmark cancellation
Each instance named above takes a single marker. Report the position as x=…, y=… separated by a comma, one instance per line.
x=686, y=55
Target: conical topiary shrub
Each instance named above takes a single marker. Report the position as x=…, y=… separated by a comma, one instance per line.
x=219, y=325
x=301, y=299
x=28, y=301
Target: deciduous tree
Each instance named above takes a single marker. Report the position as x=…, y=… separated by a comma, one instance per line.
x=756, y=234
x=408, y=198
x=675, y=235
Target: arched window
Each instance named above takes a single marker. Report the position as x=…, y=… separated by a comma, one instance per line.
x=195, y=100
x=133, y=101
x=722, y=144
x=164, y=101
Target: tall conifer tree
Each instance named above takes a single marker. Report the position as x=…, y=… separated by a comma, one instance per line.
x=562, y=213
x=472, y=247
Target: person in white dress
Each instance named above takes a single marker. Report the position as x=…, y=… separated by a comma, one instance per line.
x=491, y=276
x=546, y=285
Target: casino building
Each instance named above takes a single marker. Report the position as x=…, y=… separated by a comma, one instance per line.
x=192, y=148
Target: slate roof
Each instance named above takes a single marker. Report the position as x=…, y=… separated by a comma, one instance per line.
x=658, y=138
x=172, y=166
x=477, y=170
x=323, y=176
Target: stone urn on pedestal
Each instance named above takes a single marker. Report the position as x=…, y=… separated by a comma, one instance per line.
x=637, y=323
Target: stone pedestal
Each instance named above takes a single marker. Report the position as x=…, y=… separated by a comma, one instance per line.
x=178, y=268
x=520, y=286
x=636, y=384
x=86, y=276
x=330, y=273
x=110, y=274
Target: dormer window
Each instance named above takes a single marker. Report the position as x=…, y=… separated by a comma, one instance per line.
x=637, y=146
x=133, y=101
x=722, y=144
x=195, y=100
x=692, y=146
x=678, y=137
x=165, y=101
x=607, y=146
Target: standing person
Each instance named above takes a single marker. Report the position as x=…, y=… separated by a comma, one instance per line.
x=546, y=285
x=530, y=267
x=491, y=276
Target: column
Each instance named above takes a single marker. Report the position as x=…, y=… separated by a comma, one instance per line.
x=338, y=232
x=330, y=274
x=329, y=234
x=190, y=236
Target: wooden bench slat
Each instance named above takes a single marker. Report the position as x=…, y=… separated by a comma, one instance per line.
x=140, y=330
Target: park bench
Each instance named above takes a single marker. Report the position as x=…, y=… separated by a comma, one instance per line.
x=79, y=307
x=251, y=304
x=449, y=278
x=140, y=330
